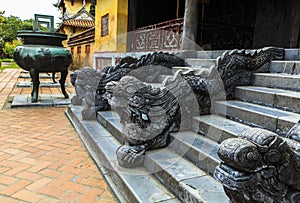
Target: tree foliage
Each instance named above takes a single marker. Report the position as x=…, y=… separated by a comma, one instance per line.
x=9, y=47
x=9, y=26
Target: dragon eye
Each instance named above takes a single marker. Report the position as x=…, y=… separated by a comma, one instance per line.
x=145, y=117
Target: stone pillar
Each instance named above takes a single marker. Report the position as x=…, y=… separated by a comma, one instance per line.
x=190, y=24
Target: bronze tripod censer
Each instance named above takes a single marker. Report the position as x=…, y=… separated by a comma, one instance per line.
x=43, y=52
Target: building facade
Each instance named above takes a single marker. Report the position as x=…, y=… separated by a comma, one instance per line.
x=145, y=26
x=78, y=22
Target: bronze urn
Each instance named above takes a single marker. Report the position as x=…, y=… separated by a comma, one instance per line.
x=43, y=52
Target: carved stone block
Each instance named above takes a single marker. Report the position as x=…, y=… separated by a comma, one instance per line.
x=261, y=166
x=85, y=82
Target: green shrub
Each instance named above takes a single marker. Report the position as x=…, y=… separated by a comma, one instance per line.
x=7, y=60
x=12, y=65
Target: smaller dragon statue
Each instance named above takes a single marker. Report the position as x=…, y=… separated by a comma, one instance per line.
x=85, y=82
x=261, y=166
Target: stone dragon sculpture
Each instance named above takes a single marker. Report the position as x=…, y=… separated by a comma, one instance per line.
x=261, y=166
x=147, y=68
x=85, y=82
x=149, y=113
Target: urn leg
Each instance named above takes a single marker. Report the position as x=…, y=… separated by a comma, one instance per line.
x=62, y=83
x=53, y=77
x=34, y=74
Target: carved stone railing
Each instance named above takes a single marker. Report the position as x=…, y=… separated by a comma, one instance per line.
x=85, y=82
x=161, y=36
x=257, y=166
x=261, y=166
x=149, y=114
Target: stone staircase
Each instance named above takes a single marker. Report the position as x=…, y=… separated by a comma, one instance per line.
x=183, y=172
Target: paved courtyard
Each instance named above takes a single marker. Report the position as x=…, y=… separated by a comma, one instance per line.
x=41, y=157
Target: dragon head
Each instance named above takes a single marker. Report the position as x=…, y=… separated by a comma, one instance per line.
x=119, y=92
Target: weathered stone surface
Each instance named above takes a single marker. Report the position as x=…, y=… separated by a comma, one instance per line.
x=218, y=128
x=202, y=189
x=200, y=150
x=261, y=166
x=134, y=185
x=277, y=80
x=201, y=63
x=256, y=115
x=290, y=67
x=85, y=82
x=283, y=99
x=149, y=114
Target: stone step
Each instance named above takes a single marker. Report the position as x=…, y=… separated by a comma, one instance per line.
x=45, y=76
x=196, y=148
x=129, y=185
x=111, y=121
x=198, y=62
x=42, y=84
x=200, y=152
x=277, y=80
x=183, y=178
x=218, y=128
x=255, y=115
x=209, y=54
x=290, y=67
x=290, y=54
x=279, y=98
x=188, y=144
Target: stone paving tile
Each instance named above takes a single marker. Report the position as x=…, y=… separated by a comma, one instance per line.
x=41, y=157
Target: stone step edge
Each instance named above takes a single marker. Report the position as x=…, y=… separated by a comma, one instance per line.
x=204, y=155
x=185, y=182
x=110, y=119
x=181, y=146
x=287, y=81
x=218, y=128
x=289, y=67
x=290, y=54
x=281, y=123
x=272, y=99
x=112, y=177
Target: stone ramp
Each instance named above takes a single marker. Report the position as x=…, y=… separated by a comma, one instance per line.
x=183, y=171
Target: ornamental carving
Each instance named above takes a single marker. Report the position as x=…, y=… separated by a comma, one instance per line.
x=150, y=113
x=149, y=68
x=261, y=166
x=85, y=82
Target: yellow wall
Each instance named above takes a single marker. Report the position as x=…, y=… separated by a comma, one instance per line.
x=82, y=59
x=76, y=6
x=115, y=41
